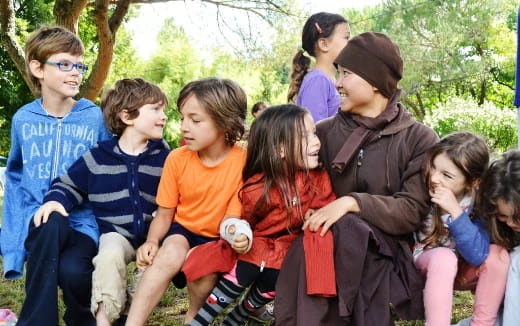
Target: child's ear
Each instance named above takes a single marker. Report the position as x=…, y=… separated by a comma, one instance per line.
x=36, y=68
x=323, y=44
x=125, y=117
x=475, y=183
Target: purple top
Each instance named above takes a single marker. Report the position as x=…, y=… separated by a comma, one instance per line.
x=318, y=95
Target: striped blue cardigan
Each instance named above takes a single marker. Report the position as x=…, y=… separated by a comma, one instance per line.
x=120, y=187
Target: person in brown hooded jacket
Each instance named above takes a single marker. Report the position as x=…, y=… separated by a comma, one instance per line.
x=373, y=150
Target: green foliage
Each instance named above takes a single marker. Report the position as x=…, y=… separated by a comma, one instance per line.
x=496, y=125
x=449, y=48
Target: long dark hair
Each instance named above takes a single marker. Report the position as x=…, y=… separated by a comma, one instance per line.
x=319, y=25
x=501, y=181
x=278, y=127
x=469, y=153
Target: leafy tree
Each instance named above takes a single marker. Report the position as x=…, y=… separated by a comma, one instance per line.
x=107, y=18
x=173, y=65
x=450, y=48
x=497, y=125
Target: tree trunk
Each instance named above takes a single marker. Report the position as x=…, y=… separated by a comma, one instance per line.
x=66, y=13
x=106, y=29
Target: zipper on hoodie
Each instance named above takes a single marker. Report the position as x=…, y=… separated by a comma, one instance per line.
x=360, y=157
x=134, y=193
x=359, y=163
x=54, y=173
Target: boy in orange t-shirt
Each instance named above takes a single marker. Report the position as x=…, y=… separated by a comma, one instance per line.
x=198, y=189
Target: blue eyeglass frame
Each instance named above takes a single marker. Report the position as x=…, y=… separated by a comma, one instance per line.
x=73, y=65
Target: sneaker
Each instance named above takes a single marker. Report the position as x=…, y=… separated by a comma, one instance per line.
x=7, y=317
x=266, y=317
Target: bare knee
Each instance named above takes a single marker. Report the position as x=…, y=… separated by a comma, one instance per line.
x=172, y=254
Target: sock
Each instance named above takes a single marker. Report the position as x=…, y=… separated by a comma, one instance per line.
x=224, y=293
x=253, y=301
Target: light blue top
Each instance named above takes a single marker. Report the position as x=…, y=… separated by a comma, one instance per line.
x=42, y=148
x=319, y=95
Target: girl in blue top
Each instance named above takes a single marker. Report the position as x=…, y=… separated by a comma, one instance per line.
x=324, y=36
x=453, y=248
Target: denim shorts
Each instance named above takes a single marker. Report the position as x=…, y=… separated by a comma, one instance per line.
x=193, y=238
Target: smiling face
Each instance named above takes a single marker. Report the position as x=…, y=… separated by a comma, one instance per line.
x=310, y=144
x=507, y=215
x=53, y=81
x=151, y=121
x=446, y=174
x=198, y=128
x=357, y=95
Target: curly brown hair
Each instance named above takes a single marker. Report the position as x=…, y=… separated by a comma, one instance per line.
x=129, y=94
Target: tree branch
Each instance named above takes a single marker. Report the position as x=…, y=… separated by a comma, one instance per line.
x=119, y=14
x=9, y=41
x=95, y=81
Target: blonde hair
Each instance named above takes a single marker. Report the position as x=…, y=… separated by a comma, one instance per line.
x=130, y=95
x=224, y=100
x=46, y=41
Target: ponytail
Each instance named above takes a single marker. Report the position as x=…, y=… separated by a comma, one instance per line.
x=319, y=25
x=301, y=64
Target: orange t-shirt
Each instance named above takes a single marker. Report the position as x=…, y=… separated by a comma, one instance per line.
x=202, y=195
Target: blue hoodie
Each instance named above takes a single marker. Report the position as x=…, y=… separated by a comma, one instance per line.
x=42, y=148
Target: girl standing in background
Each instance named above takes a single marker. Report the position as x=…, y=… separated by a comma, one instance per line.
x=324, y=36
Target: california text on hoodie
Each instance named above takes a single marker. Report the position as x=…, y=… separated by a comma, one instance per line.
x=42, y=148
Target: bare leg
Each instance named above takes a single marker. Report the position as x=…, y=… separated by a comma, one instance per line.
x=156, y=278
x=198, y=292
x=101, y=316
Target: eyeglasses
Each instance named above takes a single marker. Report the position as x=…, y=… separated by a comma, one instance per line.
x=66, y=65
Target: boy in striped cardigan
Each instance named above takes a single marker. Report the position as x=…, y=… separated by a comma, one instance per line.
x=120, y=178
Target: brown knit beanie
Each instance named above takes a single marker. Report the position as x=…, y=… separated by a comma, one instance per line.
x=376, y=59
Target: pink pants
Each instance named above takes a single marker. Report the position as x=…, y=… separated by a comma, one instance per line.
x=444, y=271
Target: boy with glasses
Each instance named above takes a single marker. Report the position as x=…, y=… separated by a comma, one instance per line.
x=47, y=136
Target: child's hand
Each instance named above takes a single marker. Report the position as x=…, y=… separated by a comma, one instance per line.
x=146, y=253
x=446, y=200
x=237, y=233
x=308, y=214
x=240, y=244
x=330, y=214
x=42, y=214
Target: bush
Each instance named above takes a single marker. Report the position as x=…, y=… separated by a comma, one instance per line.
x=498, y=126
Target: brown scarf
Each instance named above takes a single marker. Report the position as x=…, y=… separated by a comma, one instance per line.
x=367, y=127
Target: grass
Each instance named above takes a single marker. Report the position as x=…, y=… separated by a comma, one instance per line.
x=174, y=304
